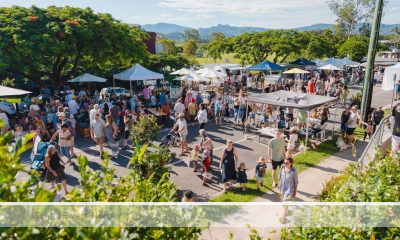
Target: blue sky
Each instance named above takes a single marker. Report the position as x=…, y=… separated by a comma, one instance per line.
x=205, y=13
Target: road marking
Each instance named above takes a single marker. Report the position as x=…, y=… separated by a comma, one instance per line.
x=376, y=94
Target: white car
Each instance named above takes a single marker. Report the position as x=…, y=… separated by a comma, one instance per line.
x=118, y=91
x=8, y=108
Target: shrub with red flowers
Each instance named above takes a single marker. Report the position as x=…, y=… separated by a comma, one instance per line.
x=72, y=22
x=33, y=18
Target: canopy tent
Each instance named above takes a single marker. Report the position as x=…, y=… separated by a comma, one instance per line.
x=7, y=91
x=182, y=71
x=302, y=62
x=266, y=66
x=137, y=73
x=191, y=77
x=213, y=75
x=347, y=62
x=87, y=78
x=292, y=99
x=296, y=71
x=330, y=67
x=392, y=74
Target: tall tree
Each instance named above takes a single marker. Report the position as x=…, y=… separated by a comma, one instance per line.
x=351, y=12
x=191, y=34
x=217, y=36
x=58, y=43
x=169, y=46
x=190, y=47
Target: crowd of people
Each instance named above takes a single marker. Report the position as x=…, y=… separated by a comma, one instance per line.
x=60, y=114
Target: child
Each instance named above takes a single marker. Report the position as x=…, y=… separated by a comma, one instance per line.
x=227, y=113
x=242, y=176
x=260, y=171
x=18, y=133
x=194, y=156
x=206, y=167
x=369, y=129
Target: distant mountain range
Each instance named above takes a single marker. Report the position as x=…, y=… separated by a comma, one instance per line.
x=174, y=32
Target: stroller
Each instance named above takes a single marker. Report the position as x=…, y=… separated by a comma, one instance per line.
x=38, y=159
x=170, y=139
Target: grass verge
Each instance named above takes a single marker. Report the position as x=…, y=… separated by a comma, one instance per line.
x=302, y=161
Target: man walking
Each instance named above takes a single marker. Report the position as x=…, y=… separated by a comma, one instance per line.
x=97, y=127
x=276, y=154
x=182, y=130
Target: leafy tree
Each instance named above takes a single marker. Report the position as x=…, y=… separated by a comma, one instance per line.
x=145, y=129
x=191, y=34
x=162, y=62
x=356, y=48
x=319, y=45
x=351, y=12
x=58, y=43
x=190, y=47
x=217, y=36
x=169, y=46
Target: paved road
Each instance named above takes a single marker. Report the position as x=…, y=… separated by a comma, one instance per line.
x=249, y=151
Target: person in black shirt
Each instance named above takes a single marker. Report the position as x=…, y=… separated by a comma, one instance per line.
x=396, y=129
x=54, y=168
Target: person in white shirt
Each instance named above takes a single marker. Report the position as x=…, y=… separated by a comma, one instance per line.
x=292, y=141
x=181, y=125
x=352, y=124
x=202, y=116
x=179, y=108
x=73, y=106
x=93, y=112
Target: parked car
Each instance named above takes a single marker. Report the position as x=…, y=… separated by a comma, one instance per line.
x=118, y=91
x=8, y=108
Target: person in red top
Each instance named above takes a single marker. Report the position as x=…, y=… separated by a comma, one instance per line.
x=311, y=87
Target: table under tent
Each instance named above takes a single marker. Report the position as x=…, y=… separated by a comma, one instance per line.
x=297, y=100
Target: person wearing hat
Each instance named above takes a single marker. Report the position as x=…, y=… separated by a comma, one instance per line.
x=181, y=125
x=293, y=136
x=206, y=167
x=64, y=141
x=34, y=109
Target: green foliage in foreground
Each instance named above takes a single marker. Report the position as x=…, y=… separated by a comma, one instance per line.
x=302, y=161
x=145, y=129
x=379, y=183
x=95, y=186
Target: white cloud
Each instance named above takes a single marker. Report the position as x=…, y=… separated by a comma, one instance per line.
x=236, y=7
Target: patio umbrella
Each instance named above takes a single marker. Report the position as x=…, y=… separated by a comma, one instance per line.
x=183, y=71
x=7, y=91
x=296, y=71
x=330, y=67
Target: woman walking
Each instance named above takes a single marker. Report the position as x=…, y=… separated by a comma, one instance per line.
x=112, y=136
x=288, y=182
x=228, y=163
x=54, y=168
x=128, y=123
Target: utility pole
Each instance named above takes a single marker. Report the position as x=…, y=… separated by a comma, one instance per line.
x=373, y=43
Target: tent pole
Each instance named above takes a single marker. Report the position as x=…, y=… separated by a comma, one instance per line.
x=113, y=81
x=334, y=122
x=245, y=120
x=307, y=123
x=130, y=83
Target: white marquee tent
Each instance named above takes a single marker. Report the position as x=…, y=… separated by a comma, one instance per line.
x=183, y=71
x=87, y=78
x=392, y=74
x=137, y=73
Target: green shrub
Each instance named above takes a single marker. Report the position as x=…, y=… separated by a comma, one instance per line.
x=379, y=183
x=145, y=129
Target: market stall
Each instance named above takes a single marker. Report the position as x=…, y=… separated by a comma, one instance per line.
x=297, y=100
x=138, y=73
